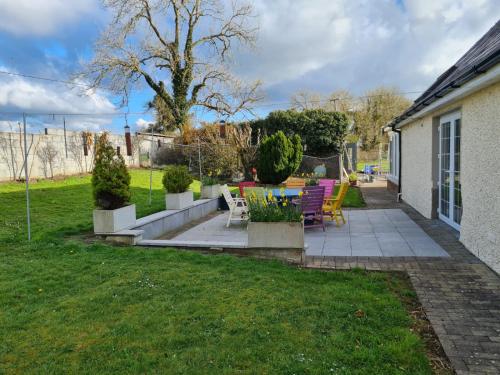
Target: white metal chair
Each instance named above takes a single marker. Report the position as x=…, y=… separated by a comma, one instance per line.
x=238, y=209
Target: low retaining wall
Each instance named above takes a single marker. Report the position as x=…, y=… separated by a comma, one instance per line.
x=156, y=225
x=293, y=256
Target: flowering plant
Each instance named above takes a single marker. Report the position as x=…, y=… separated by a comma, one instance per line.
x=271, y=209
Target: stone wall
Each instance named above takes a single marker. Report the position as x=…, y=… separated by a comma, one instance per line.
x=53, y=154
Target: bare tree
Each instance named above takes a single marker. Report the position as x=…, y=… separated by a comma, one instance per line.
x=304, y=100
x=337, y=101
x=75, y=148
x=9, y=153
x=179, y=48
x=240, y=136
x=375, y=109
x=47, y=154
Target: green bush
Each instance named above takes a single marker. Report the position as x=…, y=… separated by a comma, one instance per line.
x=278, y=158
x=209, y=181
x=176, y=178
x=110, y=177
x=323, y=132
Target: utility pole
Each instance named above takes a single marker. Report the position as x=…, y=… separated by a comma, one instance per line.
x=334, y=100
x=26, y=178
x=151, y=168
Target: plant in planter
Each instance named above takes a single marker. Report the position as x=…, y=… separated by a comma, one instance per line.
x=210, y=187
x=274, y=223
x=176, y=180
x=353, y=179
x=111, y=190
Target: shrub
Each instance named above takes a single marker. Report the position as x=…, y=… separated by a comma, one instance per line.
x=279, y=157
x=311, y=182
x=353, y=177
x=176, y=179
x=170, y=154
x=110, y=177
x=323, y=132
x=209, y=181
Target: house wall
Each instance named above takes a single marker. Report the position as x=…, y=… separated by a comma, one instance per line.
x=416, y=167
x=480, y=229
x=480, y=162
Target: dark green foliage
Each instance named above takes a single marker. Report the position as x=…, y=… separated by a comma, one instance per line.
x=176, y=178
x=110, y=177
x=279, y=157
x=323, y=132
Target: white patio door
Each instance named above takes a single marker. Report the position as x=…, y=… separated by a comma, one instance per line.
x=450, y=189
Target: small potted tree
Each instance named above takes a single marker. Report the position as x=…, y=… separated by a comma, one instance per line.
x=176, y=180
x=111, y=190
x=210, y=187
x=353, y=179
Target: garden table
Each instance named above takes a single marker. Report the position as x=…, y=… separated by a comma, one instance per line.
x=289, y=193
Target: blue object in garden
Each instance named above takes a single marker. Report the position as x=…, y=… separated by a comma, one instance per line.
x=289, y=193
x=368, y=169
x=320, y=171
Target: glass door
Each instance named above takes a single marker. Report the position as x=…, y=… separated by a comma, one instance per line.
x=450, y=189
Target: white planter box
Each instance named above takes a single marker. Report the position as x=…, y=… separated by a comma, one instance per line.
x=111, y=221
x=210, y=192
x=276, y=235
x=179, y=201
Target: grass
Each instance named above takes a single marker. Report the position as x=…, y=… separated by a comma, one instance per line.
x=65, y=206
x=353, y=197
x=75, y=307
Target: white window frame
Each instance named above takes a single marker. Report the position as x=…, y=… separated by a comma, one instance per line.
x=393, y=174
x=450, y=117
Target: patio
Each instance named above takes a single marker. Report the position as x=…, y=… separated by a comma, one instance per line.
x=367, y=233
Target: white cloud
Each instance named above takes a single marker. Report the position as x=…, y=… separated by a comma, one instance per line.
x=142, y=124
x=324, y=45
x=19, y=95
x=42, y=18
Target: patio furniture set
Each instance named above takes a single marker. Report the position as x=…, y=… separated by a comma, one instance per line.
x=317, y=203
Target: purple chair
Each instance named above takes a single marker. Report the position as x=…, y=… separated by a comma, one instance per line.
x=311, y=205
x=329, y=186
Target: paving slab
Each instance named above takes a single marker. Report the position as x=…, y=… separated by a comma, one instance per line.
x=367, y=233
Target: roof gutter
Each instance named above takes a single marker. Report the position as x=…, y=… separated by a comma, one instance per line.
x=475, y=83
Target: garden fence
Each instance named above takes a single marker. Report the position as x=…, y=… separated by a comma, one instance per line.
x=375, y=160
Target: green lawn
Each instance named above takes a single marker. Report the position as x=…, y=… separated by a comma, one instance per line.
x=353, y=198
x=65, y=206
x=68, y=306
x=384, y=163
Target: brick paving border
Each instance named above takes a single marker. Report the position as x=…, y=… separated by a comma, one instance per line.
x=460, y=294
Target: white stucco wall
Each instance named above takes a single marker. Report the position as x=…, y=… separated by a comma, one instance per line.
x=480, y=229
x=416, y=167
x=480, y=177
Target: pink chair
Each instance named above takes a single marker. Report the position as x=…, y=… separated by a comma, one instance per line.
x=311, y=205
x=243, y=185
x=329, y=185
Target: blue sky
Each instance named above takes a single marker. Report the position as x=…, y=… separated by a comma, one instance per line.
x=315, y=45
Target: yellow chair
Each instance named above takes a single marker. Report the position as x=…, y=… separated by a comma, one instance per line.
x=332, y=207
x=294, y=182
